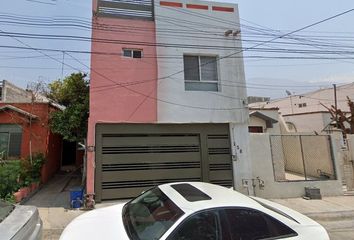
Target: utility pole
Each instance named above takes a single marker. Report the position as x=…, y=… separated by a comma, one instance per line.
x=62, y=65
x=291, y=103
x=335, y=102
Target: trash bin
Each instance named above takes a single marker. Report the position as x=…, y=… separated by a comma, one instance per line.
x=313, y=193
x=76, y=196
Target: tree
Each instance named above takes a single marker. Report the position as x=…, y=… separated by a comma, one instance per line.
x=73, y=93
x=341, y=117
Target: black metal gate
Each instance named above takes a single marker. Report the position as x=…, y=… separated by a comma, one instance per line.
x=131, y=158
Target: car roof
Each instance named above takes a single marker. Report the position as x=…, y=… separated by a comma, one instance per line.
x=217, y=196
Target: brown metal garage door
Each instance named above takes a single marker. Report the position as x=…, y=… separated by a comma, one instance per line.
x=131, y=158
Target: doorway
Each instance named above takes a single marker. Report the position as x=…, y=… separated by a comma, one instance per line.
x=68, y=154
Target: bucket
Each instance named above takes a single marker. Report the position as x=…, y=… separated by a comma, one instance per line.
x=76, y=195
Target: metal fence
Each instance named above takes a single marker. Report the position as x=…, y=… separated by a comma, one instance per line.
x=302, y=157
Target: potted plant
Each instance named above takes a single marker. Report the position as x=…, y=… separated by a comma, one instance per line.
x=34, y=184
x=37, y=163
x=17, y=196
x=24, y=191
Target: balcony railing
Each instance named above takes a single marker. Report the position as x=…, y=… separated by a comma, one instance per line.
x=134, y=9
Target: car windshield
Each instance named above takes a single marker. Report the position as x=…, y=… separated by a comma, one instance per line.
x=5, y=209
x=150, y=215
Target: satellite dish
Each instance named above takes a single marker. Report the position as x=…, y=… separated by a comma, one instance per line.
x=288, y=92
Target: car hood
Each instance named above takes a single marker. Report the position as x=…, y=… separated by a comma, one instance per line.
x=105, y=223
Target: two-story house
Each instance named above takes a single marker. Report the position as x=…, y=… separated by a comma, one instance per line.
x=167, y=96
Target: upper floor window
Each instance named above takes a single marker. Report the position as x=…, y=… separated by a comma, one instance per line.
x=301, y=105
x=200, y=73
x=132, y=53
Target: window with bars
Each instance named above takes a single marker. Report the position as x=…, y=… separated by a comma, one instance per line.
x=200, y=73
x=10, y=141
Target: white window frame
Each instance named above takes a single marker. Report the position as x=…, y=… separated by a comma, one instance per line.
x=132, y=50
x=217, y=82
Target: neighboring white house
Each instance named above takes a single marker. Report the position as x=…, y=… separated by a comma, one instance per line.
x=264, y=120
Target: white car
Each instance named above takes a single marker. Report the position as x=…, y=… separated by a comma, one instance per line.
x=193, y=211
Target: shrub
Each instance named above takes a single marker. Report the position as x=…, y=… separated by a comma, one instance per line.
x=10, y=172
x=19, y=173
x=38, y=160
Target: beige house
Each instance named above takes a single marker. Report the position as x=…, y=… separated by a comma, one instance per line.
x=306, y=113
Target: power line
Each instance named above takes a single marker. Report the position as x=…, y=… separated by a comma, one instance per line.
x=234, y=53
x=284, y=35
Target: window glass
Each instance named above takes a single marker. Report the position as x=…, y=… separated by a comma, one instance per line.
x=249, y=224
x=136, y=54
x=15, y=144
x=200, y=73
x=132, y=53
x=4, y=144
x=208, y=68
x=191, y=68
x=127, y=53
x=255, y=129
x=150, y=215
x=201, y=226
x=10, y=140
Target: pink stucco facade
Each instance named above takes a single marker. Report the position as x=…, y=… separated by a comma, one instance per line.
x=122, y=89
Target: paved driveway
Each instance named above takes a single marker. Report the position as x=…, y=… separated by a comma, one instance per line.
x=53, y=203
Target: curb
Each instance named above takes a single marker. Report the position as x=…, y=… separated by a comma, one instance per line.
x=332, y=216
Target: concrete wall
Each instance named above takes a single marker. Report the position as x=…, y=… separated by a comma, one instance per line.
x=309, y=122
x=199, y=29
x=240, y=150
x=313, y=151
x=261, y=158
x=14, y=94
x=348, y=163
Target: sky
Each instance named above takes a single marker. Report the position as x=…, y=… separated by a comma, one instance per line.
x=270, y=75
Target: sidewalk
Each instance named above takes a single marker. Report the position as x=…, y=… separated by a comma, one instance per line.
x=336, y=214
x=328, y=206
x=53, y=203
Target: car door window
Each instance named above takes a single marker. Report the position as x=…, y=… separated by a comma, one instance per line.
x=250, y=224
x=201, y=226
